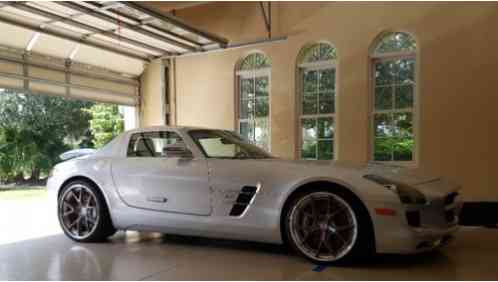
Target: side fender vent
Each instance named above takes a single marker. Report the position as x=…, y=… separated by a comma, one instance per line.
x=245, y=197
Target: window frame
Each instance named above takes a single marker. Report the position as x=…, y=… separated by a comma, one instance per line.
x=312, y=66
x=375, y=58
x=254, y=73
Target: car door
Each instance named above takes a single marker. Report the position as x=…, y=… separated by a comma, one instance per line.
x=234, y=178
x=147, y=179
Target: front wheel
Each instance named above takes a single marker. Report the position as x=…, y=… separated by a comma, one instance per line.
x=83, y=213
x=325, y=227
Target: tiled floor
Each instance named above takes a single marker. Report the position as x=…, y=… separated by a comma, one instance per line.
x=472, y=256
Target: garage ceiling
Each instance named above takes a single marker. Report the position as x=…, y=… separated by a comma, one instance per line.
x=89, y=50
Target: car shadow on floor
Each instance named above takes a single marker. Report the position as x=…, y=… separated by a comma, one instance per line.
x=432, y=265
x=377, y=260
x=225, y=244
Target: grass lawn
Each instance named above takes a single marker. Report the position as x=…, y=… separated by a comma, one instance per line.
x=22, y=192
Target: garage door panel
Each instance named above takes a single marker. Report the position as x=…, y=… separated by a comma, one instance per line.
x=93, y=56
x=50, y=81
x=103, y=97
x=47, y=74
x=47, y=88
x=10, y=83
x=53, y=46
x=66, y=27
x=96, y=22
x=52, y=7
x=18, y=37
x=153, y=42
x=26, y=16
x=114, y=42
x=12, y=68
x=105, y=85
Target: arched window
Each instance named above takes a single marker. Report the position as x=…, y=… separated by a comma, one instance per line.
x=253, y=77
x=317, y=80
x=393, y=114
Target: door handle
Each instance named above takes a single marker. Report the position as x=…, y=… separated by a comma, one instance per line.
x=157, y=199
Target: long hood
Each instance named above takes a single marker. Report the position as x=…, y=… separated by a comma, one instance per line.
x=400, y=174
x=397, y=173
x=430, y=185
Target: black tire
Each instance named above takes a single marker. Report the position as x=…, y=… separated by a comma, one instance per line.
x=364, y=244
x=102, y=227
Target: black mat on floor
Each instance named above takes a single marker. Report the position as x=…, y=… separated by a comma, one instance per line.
x=479, y=214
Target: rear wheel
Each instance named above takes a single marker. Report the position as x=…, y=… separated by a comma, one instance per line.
x=326, y=227
x=83, y=213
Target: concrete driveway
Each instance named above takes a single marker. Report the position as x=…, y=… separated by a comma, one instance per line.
x=27, y=218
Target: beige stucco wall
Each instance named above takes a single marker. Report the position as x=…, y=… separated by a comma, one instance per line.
x=458, y=62
x=151, y=90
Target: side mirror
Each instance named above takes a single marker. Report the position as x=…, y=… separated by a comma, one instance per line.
x=178, y=150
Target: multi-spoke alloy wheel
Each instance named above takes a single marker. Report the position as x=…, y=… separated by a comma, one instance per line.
x=83, y=214
x=322, y=226
x=79, y=211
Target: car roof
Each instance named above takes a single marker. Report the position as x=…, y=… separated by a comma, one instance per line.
x=168, y=127
x=118, y=144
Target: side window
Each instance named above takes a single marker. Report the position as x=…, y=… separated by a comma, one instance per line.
x=151, y=144
x=217, y=147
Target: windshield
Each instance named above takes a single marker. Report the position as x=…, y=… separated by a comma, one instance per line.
x=225, y=144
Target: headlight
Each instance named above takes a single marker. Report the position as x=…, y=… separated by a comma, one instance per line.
x=407, y=194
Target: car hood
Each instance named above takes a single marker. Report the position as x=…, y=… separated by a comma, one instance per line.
x=426, y=183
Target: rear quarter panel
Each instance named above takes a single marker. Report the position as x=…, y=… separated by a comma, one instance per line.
x=96, y=169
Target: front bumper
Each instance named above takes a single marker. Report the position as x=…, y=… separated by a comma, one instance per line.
x=426, y=239
x=418, y=228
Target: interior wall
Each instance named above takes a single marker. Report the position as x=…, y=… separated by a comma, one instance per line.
x=457, y=59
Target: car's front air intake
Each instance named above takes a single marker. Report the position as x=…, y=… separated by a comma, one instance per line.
x=244, y=198
x=450, y=198
x=440, y=212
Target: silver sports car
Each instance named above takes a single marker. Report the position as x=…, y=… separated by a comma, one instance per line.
x=208, y=182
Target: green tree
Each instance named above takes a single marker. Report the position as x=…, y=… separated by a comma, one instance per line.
x=35, y=130
x=105, y=124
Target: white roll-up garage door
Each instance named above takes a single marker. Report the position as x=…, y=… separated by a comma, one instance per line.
x=49, y=76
